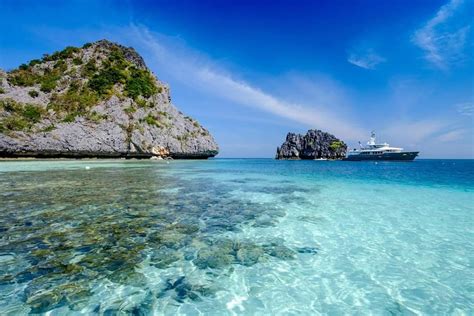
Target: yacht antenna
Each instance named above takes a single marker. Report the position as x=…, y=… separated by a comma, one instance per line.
x=372, y=139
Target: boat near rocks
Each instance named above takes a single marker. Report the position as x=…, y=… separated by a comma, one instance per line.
x=382, y=151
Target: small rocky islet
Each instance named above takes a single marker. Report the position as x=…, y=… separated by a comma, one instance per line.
x=316, y=144
x=99, y=100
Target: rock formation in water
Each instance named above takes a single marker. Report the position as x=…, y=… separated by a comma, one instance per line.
x=100, y=100
x=314, y=145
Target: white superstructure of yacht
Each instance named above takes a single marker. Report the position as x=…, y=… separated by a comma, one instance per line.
x=381, y=151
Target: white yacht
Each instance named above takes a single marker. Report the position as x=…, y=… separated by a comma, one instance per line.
x=383, y=151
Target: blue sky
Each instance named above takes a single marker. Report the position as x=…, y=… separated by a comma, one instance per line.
x=251, y=71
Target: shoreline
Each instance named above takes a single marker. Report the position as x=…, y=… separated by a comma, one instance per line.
x=74, y=156
x=187, y=159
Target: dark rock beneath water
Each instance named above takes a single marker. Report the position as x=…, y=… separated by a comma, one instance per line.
x=249, y=254
x=165, y=257
x=42, y=300
x=264, y=221
x=6, y=279
x=315, y=144
x=93, y=235
x=46, y=302
x=226, y=252
x=128, y=276
x=309, y=250
x=183, y=289
x=280, y=251
x=213, y=258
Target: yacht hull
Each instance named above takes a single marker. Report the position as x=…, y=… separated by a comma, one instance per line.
x=403, y=156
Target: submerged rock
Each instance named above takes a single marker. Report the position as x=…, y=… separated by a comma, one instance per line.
x=183, y=289
x=165, y=257
x=96, y=101
x=128, y=276
x=6, y=258
x=93, y=235
x=309, y=250
x=315, y=144
x=6, y=279
x=45, y=302
x=213, y=258
x=71, y=294
x=223, y=253
x=249, y=255
x=279, y=251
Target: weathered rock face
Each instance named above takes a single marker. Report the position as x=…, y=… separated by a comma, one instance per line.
x=314, y=145
x=96, y=101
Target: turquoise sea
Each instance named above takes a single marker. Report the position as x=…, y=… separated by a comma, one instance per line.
x=236, y=237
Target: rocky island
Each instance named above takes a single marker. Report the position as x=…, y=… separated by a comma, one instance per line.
x=99, y=100
x=315, y=144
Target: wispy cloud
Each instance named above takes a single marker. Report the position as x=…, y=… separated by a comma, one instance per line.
x=413, y=133
x=443, y=38
x=199, y=72
x=466, y=108
x=367, y=59
x=452, y=135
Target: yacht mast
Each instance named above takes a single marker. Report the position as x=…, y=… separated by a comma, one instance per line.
x=372, y=139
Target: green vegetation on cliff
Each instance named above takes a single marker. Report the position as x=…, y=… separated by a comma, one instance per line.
x=21, y=116
x=25, y=76
x=66, y=53
x=77, y=100
x=33, y=93
x=336, y=145
x=140, y=83
x=87, y=82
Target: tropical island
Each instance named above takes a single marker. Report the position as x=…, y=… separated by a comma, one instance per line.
x=315, y=144
x=99, y=101
x=109, y=205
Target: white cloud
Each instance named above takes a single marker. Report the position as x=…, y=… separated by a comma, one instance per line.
x=413, y=133
x=466, y=108
x=452, y=135
x=199, y=72
x=442, y=38
x=367, y=59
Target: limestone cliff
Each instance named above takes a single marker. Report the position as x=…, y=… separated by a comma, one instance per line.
x=99, y=100
x=314, y=145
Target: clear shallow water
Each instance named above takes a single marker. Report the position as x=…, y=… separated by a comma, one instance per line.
x=231, y=236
